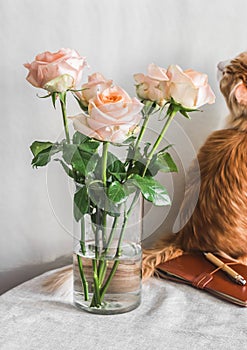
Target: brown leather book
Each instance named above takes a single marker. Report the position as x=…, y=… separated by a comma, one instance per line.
x=199, y=272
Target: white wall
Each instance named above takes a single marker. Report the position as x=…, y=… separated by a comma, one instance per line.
x=118, y=38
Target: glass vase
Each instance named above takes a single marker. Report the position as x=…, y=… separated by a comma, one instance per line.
x=107, y=257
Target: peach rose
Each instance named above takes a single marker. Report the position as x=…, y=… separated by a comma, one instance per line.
x=113, y=116
x=189, y=88
x=56, y=72
x=96, y=83
x=152, y=86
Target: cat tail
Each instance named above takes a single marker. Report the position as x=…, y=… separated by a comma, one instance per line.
x=59, y=282
x=168, y=248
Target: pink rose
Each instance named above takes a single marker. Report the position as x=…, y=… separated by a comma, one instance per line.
x=189, y=88
x=113, y=116
x=56, y=72
x=152, y=86
x=96, y=83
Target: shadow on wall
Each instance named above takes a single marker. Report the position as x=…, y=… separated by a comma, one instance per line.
x=12, y=278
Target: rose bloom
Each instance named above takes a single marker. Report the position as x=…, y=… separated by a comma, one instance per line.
x=56, y=72
x=152, y=86
x=96, y=83
x=189, y=88
x=113, y=116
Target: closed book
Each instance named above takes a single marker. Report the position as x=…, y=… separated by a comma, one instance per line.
x=197, y=271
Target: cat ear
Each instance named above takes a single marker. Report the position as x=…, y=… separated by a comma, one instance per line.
x=241, y=94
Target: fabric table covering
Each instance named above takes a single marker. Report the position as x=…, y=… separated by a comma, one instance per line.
x=171, y=316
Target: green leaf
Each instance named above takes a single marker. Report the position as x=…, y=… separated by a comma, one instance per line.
x=145, y=150
x=72, y=156
x=84, y=108
x=152, y=190
x=92, y=163
x=46, y=96
x=38, y=146
x=166, y=148
x=43, y=151
x=85, y=144
x=89, y=146
x=129, y=140
x=54, y=97
x=42, y=158
x=165, y=163
x=99, y=199
x=133, y=154
x=82, y=154
x=79, y=138
x=115, y=167
x=185, y=114
x=138, y=168
x=116, y=192
x=118, y=176
x=96, y=216
x=129, y=187
x=62, y=97
x=150, y=107
x=81, y=203
x=175, y=106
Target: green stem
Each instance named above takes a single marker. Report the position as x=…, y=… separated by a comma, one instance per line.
x=96, y=234
x=103, y=263
x=96, y=296
x=140, y=136
x=108, y=281
x=142, y=131
x=111, y=236
x=82, y=241
x=104, y=180
x=83, y=250
x=83, y=278
x=102, y=271
x=65, y=121
x=157, y=142
x=104, y=162
x=118, y=251
x=126, y=216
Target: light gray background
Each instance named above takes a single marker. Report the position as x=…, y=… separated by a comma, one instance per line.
x=119, y=38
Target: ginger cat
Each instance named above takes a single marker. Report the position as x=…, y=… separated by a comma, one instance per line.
x=219, y=221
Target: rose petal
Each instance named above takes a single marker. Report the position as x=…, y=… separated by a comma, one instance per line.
x=205, y=95
x=98, y=115
x=176, y=75
x=157, y=73
x=116, y=134
x=184, y=93
x=80, y=124
x=139, y=78
x=198, y=79
x=96, y=77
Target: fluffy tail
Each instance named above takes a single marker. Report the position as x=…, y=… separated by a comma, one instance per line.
x=60, y=282
x=167, y=249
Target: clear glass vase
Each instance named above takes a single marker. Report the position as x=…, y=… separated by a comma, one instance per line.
x=107, y=257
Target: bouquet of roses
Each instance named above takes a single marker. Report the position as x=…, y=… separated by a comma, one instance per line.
x=110, y=119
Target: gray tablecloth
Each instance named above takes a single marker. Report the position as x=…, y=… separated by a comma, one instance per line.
x=171, y=316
